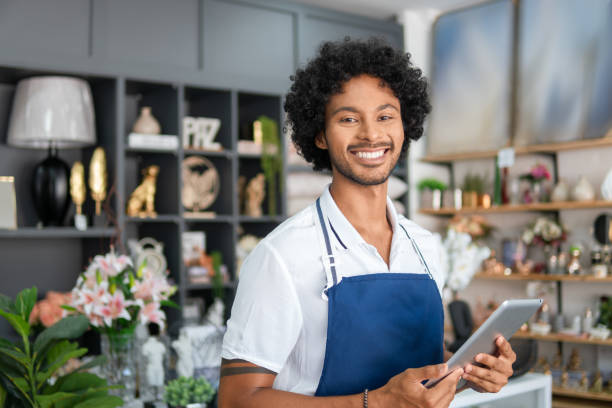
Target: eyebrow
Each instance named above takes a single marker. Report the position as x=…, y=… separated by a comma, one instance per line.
x=351, y=109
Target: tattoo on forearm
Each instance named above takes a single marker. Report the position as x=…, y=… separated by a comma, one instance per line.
x=227, y=371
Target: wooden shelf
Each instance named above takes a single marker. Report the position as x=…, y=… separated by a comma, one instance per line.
x=263, y=219
x=543, y=277
x=585, y=395
x=228, y=154
x=161, y=218
x=546, y=148
x=536, y=207
x=569, y=402
x=554, y=337
x=57, y=232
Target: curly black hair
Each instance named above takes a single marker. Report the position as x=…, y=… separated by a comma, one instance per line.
x=337, y=63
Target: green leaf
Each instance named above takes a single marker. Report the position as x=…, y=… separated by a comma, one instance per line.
x=108, y=401
x=19, y=324
x=76, y=381
x=6, y=304
x=16, y=355
x=69, y=308
x=169, y=303
x=2, y=396
x=98, y=360
x=58, y=349
x=69, y=327
x=24, y=303
x=13, y=386
x=58, y=363
x=48, y=401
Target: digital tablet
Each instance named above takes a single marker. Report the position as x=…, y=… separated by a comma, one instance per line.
x=504, y=321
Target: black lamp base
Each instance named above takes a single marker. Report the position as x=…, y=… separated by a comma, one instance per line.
x=50, y=189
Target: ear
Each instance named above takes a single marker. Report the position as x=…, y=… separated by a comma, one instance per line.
x=321, y=141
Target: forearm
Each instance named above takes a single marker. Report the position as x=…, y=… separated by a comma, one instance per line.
x=268, y=397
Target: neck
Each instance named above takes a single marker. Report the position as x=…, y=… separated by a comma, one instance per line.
x=365, y=207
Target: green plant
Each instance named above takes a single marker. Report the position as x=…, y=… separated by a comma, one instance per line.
x=27, y=366
x=188, y=390
x=271, y=159
x=605, y=312
x=431, y=184
x=474, y=183
x=217, y=278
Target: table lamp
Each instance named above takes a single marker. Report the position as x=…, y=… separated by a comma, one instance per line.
x=52, y=112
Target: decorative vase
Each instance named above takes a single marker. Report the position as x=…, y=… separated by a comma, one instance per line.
x=146, y=123
x=120, y=367
x=560, y=193
x=583, y=190
x=606, y=186
x=536, y=192
x=470, y=199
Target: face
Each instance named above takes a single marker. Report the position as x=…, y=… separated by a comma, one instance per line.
x=363, y=131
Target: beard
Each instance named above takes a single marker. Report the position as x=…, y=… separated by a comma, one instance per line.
x=344, y=168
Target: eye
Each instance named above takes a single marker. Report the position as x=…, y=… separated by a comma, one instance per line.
x=348, y=120
x=385, y=117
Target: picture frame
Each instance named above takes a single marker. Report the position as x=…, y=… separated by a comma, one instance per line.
x=8, y=203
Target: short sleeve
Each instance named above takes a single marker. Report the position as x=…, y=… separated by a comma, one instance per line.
x=266, y=317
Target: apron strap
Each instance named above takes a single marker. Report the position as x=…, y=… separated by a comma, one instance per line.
x=418, y=251
x=329, y=260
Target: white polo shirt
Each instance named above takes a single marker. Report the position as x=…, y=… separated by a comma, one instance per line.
x=279, y=316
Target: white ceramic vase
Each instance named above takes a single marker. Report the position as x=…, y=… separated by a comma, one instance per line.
x=583, y=190
x=606, y=187
x=146, y=123
x=561, y=192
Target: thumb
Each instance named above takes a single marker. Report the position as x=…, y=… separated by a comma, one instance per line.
x=425, y=373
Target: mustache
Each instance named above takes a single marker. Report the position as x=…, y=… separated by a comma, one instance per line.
x=370, y=146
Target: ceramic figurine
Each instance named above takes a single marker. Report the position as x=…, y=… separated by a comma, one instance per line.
x=574, y=267
x=142, y=200
x=97, y=178
x=583, y=190
x=561, y=192
x=574, y=361
x=606, y=187
x=146, y=123
x=255, y=193
x=564, y=379
x=557, y=361
x=201, y=184
x=215, y=313
x=182, y=346
x=154, y=351
x=491, y=266
x=597, y=385
x=77, y=192
x=583, y=385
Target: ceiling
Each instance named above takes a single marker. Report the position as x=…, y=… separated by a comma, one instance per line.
x=384, y=9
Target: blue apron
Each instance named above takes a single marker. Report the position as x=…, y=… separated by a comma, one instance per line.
x=378, y=325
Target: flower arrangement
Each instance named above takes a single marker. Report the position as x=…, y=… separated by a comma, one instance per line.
x=544, y=231
x=476, y=226
x=49, y=310
x=184, y=391
x=115, y=297
x=537, y=174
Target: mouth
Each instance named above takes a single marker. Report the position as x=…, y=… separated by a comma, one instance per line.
x=371, y=156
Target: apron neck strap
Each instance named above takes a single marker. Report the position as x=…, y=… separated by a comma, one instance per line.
x=329, y=262
x=418, y=251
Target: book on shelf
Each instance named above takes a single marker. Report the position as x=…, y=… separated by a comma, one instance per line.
x=154, y=142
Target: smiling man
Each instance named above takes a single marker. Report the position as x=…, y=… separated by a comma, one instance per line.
x=340, y=305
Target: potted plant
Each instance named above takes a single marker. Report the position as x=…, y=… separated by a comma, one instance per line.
x=536, y=177
x=431, y=193
x=29, y=368
x=188, y=392
x=473, y=191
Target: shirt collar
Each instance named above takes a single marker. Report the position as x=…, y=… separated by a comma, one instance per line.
x=346, y=233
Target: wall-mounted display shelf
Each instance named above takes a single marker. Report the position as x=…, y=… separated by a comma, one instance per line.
x=554, y=337
x=543, y=277
x=598, y=396
x=535, y=207
x=548, y=148
x=57, y=232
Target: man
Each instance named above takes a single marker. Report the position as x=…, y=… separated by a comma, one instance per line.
x=340, y=305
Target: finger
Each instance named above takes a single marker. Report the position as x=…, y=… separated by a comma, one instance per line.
x=505, y=349
x=443, y=393
x=486, y=374
x=482, y=384
x=425, y=373
x=500, y=364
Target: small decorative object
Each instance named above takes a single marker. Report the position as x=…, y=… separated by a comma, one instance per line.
x=473, y=186
x=192, y=311
x=597, y=385
x=215, y=313
x=575, y=361
x=97, y=183
x=163, y=143
x=153, y=352
x=599, y=332
x=606, y=187
x=536, y=176
x=188, y=392
x=52, y=112
x=77, y=192
x=484, y=200
x=583, y=190
x=150, y=252
x=559, y=323
x=428, y=188
x=583, y=384
x=475, y=225
x=39, y=358
x=544, y=231
x=182, y=346
x=200, y=186
x=524, y=268
x=200, y=133
x=194, y=244
x=8, y=203
x=255, y=193
x=512, y=250
x=271, y=157
x=142, y=200
x=462, y=258
x=515, y=191
x=605, y=311
x=541, y=329
x=602, y=228
x=557, y=361
x=561, y=192
x=491, y=266
x=452, y=199
x=574, y=267
x=587, y=321
x=564, y=379
x=146, y=123
x=115, y=297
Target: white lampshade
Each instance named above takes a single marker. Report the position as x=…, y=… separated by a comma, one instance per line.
x=52, y=111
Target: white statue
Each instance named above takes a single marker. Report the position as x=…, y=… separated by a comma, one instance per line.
x=215, y=313
x=184, y=365
x=154, y=350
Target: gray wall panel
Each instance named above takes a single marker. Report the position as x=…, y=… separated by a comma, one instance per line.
x=156, y=32
x=244, y=38
x=49, y=30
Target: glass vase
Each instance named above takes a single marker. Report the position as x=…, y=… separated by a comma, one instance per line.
x=536, y=192
x=120, y=368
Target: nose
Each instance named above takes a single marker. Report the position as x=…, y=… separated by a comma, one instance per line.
x=369, y=131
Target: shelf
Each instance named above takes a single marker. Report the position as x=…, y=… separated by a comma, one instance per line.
x=568, y=402
x=263, y=219
x=140, y=150
x=558, y=206
x=585, y=395
x=554, y=337
x=161, y=218
x=57, y=232
x=210, y=153
x=543, y=277
x=216, y=219
x=547, y=148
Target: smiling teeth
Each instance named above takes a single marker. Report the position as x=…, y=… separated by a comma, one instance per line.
x=370, y=155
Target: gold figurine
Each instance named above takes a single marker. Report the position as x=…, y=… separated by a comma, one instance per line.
x=97, y=178
x=77, y=186
x=142, y=200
